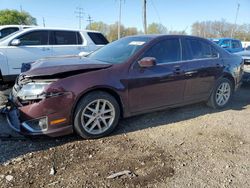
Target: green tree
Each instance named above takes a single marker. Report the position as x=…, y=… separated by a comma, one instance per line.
x=130, y=31
x=113, y=32
x=15, y=17
x=156, y=28
x=99, y=26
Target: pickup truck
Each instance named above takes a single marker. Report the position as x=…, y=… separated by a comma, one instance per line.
x=229, y=44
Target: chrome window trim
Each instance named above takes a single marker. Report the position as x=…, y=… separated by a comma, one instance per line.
x=183, y=61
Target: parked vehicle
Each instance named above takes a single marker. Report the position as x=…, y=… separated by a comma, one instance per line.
x=246, y=58
x=229, y=44
x=6, y=30
x=130, y=76
x=35, y=43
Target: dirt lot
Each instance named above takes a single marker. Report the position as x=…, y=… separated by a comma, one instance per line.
x=193, y=146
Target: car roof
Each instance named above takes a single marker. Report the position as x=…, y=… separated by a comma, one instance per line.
x=59, y=29
x=154, y=36
x=19, y=26
x=226, y=38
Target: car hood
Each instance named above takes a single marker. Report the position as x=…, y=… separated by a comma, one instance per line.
x=64, y=66
x=244, y=53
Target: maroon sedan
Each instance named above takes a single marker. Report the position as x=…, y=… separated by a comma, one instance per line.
x=133, y=75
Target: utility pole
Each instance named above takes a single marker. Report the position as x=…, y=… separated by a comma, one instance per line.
x=119, y=21
x=236, y=16
x=43, y=22
x=90, y=21
x=79, y=12
x=145, y=16
x=21, y=8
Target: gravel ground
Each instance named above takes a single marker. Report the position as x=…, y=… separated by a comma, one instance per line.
x=193, y=146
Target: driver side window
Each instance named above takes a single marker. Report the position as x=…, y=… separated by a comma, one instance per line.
x=34, y=38
x=165, y=51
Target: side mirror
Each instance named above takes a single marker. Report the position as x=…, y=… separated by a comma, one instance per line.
x=15, y=42
x=147, y=62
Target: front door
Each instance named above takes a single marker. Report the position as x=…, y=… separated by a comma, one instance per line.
x=160, y=85
x=33, y=46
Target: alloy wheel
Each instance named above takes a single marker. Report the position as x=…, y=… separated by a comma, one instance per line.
x=223, y=93
x=98, y=116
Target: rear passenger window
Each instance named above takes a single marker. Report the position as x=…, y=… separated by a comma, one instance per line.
x=98, y=38
x=65, y=38
x=165, y=51
x=34, y=38
x=236, y=44
x=200, y=49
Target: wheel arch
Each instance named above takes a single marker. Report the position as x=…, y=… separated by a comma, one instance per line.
x=108, y=90
x=229, y=77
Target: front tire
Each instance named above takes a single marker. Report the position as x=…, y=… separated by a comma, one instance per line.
x=97, y=114
x=221, y=94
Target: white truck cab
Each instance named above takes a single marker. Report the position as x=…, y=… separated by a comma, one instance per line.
x=35, y=43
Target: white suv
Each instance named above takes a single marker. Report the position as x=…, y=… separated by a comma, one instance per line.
x=35, y=43
x=6, y=30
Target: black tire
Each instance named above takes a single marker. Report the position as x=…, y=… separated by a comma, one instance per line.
x=212, y=102
x=88, y=100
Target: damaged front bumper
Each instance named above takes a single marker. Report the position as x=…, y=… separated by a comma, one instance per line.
x=246, y=76
x=35, y=119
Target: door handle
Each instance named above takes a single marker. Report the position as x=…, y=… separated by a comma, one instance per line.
x=177, y=70
x=190, y=73
x=218, y=65
x=45, y=48
x=80, y=47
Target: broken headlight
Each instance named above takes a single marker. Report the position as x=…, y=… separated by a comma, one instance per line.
x=32, y=91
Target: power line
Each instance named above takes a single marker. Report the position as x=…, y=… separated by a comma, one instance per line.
x=89, y=20
x=157, y=12
x=79, y=12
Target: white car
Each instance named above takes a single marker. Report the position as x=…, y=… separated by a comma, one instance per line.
x=6, y=30
x=35, y=43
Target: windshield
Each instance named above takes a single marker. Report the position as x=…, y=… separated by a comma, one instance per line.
x=8, y=36
x=120, y=50
x=216, y=41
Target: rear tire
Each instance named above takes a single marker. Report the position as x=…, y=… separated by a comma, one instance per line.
x=222, y=94
x=96, y=115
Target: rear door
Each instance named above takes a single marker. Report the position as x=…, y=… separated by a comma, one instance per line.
x=66, y=43
x=236, y=46
x=162, y=84
x=34, y=45
x=203, y=68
